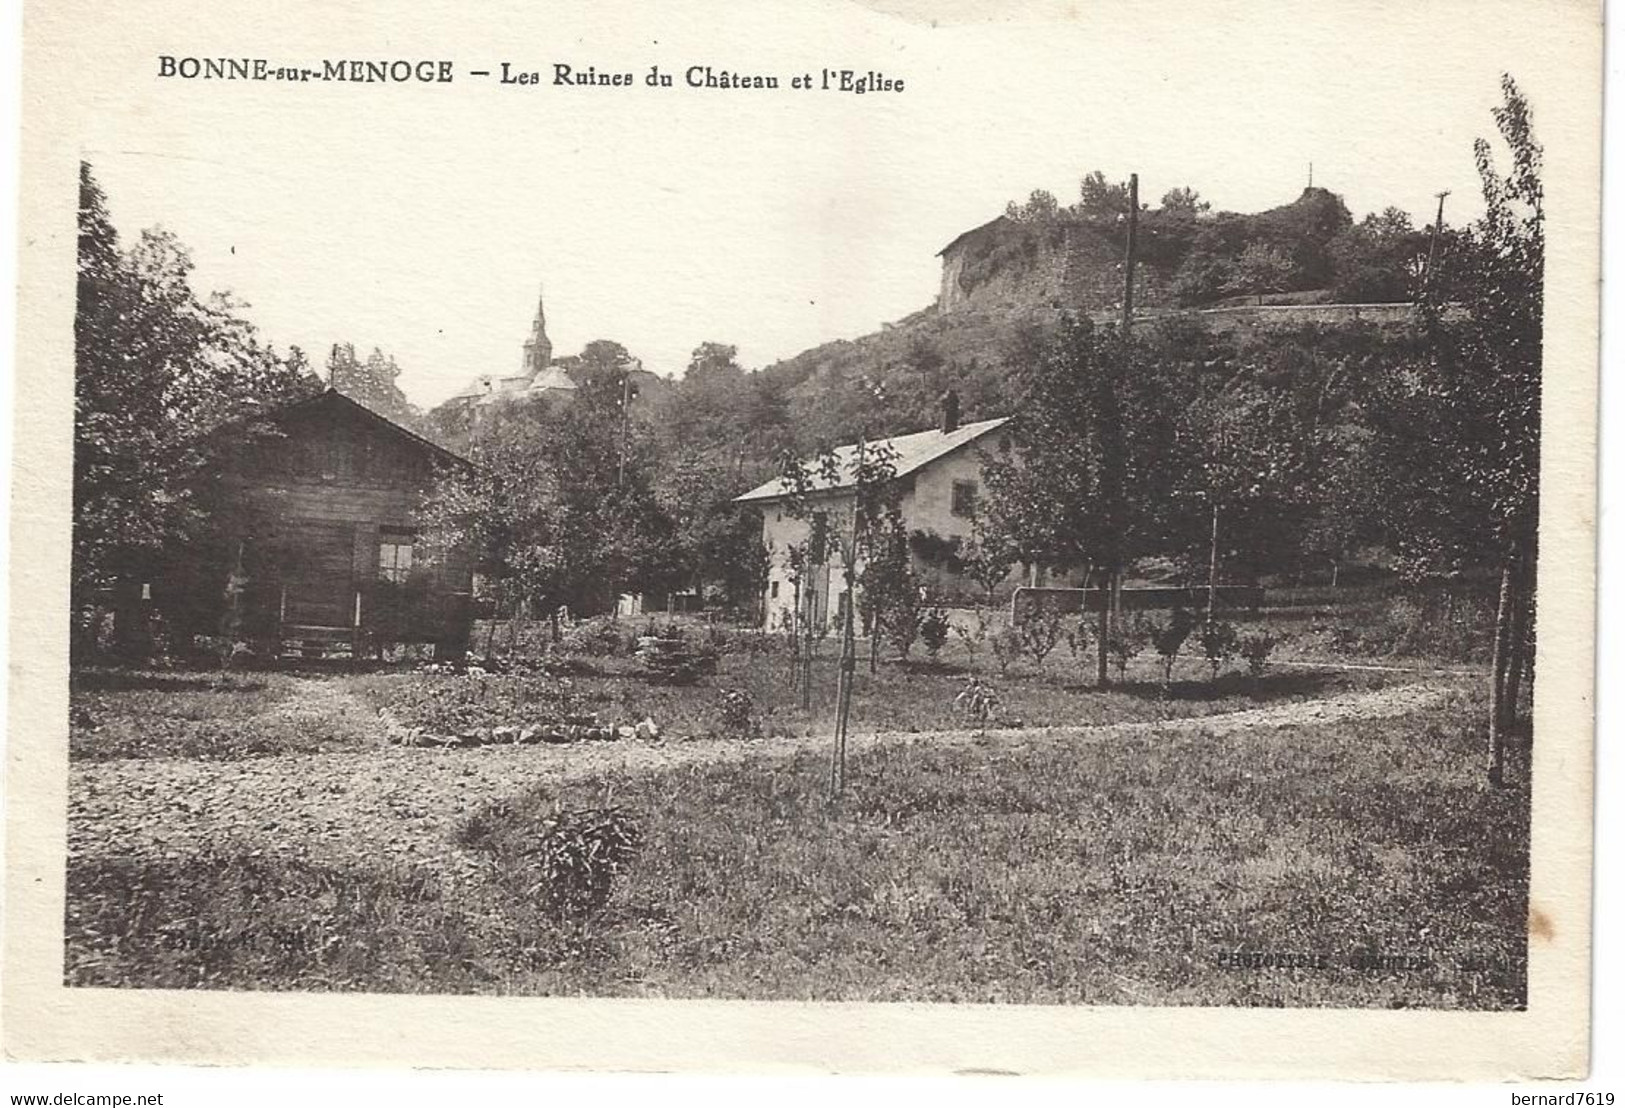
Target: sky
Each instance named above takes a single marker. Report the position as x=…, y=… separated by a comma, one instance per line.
x=424, y=219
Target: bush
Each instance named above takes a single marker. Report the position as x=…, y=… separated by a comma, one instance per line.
x=1256, y=649
x=1169, y=637
x=736, y=714
x=978, y=700
x=1040, y=632
x=1007, y=646
x=973, y=635
x=1128, y=637
x=599, y=637
x=934, y=631
x=669, y=658
x=1218, y=643
x=1077, y=637
x=580, y=854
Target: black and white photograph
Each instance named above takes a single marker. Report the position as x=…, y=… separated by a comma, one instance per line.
x=966, y=516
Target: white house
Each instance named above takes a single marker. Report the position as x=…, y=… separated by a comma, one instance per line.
x=940, y=476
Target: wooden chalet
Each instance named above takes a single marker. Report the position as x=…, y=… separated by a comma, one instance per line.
x=321, y=551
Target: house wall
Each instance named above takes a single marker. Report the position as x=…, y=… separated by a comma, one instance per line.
x=781, y=531
x=926, y=505
x=332, y=484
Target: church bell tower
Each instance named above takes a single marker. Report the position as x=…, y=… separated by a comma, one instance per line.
x=538, y=347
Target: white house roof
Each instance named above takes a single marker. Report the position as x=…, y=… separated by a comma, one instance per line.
x=911, y=452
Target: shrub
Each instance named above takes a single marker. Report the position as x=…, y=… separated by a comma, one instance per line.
x=978, y=700
x=1007, y=646
x=580, y=853
x=1169, y=637
x=1218, y=643
x=973, y=635
x=1256, y=649
x=1077, y=637
x=901, y=622
x=599, y=637
x=1040, y=632
x=736, y=714
x=669, y=659
x=1128, y=637
x=934, y=631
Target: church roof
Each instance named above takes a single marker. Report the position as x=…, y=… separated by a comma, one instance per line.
x=912, y=452
x=551, y=378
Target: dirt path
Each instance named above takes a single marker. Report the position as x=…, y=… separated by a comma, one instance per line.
x=400, y=804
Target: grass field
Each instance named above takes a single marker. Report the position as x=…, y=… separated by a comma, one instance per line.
x=224, y=716
x=1133, y=870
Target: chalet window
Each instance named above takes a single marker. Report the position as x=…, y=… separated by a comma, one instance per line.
x=964, y=504
x=395, y=557
x=773, y=590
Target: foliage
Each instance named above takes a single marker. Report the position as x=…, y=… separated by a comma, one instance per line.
x=1040, y=632
x=934, y=626
x=1078, y=636
x=736, y=713
x=163, y=382
x=372, y=383
x=1218, y=643
x=1256, y=648
x=1167, y=637
x=923, y=887
x=1128, y=637
x=978, y=700
x=597, y=637
x=669, y=657
x=579, y=854
x=1007, y=646
x=554, y=510
x=972, y=634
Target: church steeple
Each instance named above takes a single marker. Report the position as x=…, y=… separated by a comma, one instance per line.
x=538, y=347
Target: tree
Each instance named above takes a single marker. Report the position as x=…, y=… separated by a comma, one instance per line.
x=1086, y=482
x=371, y=383
x=1459, y=426
x=1184, y=200
x=1261, y=269
x=1100, y=199
x=1379, y=260
x=556, y=511
x=160, y=378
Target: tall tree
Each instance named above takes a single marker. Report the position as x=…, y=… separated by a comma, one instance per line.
x=1460, y=427
x=156, y=369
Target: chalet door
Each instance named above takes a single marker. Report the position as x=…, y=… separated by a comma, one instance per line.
x=318, y=583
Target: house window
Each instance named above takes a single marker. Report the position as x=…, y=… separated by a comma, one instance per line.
x=818, y=545
x=395, y=557
x=964, y=504
x=773, y=590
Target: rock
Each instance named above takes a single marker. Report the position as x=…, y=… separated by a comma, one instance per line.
x=505, y=734
x=625, y=732
x=648, y=729
x=530, y=734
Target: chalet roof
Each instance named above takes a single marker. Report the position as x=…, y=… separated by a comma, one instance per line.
x=331, y=397
x=974, y=231
x=912, y=452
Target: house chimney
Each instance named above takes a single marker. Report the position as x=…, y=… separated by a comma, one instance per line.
x=950, y=412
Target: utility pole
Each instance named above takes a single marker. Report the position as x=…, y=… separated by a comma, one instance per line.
x=1433, y=241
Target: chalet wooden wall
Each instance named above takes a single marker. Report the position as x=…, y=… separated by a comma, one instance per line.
x=306, y=507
